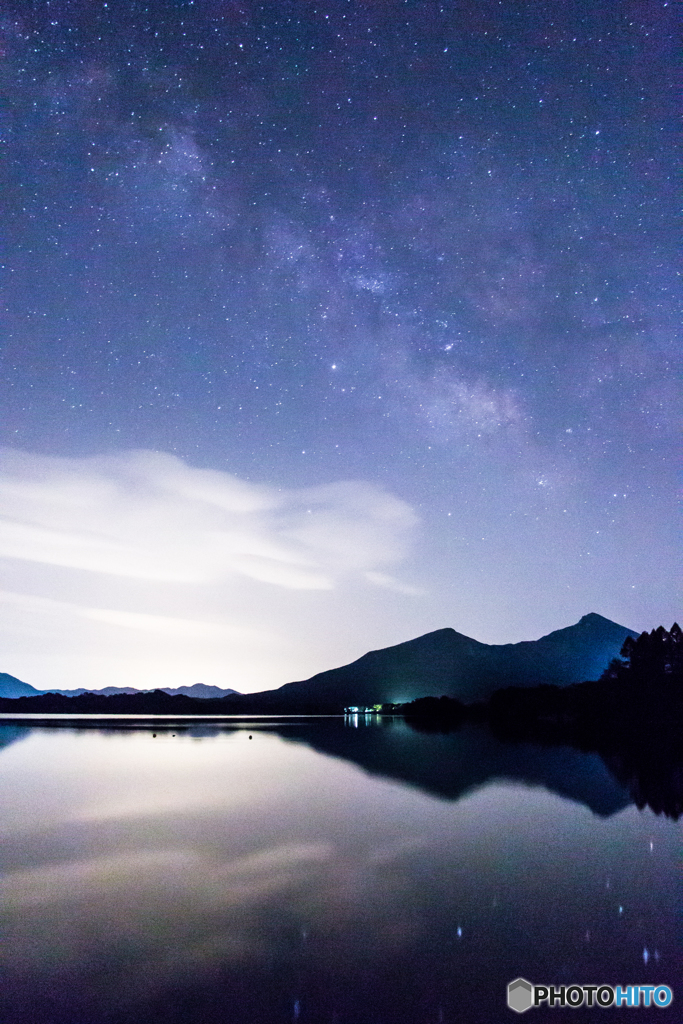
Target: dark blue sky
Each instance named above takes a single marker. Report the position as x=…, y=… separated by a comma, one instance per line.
x=428, y=247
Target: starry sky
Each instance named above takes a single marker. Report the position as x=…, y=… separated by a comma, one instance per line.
x=325, y=324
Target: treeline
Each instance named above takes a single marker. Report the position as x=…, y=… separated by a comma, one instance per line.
x=157, y=702
x=432, y=714
x=632, y=717
x=655, y=658
x=641, y=692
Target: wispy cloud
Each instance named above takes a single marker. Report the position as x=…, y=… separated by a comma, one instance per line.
x=147, y=566
x=149, y=516
x=382, y=579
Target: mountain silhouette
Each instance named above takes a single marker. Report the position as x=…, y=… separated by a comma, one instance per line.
x=201, y=690
x=446, y=662
x=10, y=686
x=440, y=663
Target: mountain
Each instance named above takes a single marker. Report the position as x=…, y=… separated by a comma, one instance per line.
x=446, y=662
x=442, y=662
x=154, y=702
x=201, y=690
x=10, y=686
x=107, y=691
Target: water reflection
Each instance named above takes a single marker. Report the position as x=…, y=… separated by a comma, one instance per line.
x=653, y=777
x=12, y=734
x=450, y=762
x=454, y=763
x=318, y=873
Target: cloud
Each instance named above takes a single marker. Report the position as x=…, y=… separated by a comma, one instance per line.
x=201, y=876
x=148, y=516
x=138, y=569
x=382, y=579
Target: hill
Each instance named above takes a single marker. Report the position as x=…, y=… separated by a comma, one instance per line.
x=442, y=662
x=446, y=662
x=199, y=690
x=10, y=686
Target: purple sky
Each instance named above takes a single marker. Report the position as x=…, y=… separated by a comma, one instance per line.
x=327, y=324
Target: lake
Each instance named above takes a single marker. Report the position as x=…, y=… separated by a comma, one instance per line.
x=353, y=871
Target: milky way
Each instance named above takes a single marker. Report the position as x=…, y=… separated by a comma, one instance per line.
x=423, y=250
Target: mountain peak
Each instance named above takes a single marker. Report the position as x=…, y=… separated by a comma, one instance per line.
x=600, y=623
x=450, y=663
x=593, y=617
x=10, y=686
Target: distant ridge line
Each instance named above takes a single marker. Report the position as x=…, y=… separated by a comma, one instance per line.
x=442, y=662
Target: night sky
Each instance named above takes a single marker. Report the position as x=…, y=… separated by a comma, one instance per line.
x=327, y=324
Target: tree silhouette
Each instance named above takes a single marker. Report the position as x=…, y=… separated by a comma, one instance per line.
x=655, y=658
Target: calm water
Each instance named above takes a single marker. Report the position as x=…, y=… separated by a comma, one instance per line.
x=318, y=871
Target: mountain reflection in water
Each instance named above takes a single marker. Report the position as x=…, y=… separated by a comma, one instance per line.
x=179, y=872
x=452, y=764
